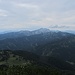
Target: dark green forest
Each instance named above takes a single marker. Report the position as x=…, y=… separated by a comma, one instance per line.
x=19, y=63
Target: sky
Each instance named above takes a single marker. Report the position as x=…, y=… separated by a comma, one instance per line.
x=34, y=14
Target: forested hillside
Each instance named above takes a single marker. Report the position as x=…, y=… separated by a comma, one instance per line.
x=27, y=63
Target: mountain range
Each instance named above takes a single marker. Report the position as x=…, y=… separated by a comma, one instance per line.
x=43, y=45
x=29, y=40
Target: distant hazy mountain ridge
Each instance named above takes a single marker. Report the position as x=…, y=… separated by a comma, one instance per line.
x=26, y=40
x=42, y=46
x=23, y=33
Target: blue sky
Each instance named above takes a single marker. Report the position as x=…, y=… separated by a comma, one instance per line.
x=34, y=14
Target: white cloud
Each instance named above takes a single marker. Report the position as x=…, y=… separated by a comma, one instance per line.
x=26, y=5
x=0, y=1
x=3, y=13
x=58, y=26
x=37, y=13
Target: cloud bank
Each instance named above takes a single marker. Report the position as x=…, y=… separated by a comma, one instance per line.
x=34, y=14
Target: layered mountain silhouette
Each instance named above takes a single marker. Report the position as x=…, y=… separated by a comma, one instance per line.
x=24, y=41
x=43, y=46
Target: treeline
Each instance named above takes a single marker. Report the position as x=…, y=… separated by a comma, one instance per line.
x=30, y=69
x=27, y=69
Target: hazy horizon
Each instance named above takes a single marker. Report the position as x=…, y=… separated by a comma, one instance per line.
x=35, y=14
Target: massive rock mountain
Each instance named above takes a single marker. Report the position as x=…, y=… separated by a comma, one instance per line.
x=23, y=33
x=42, y=42
x=30, y=40
x=52, y=48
